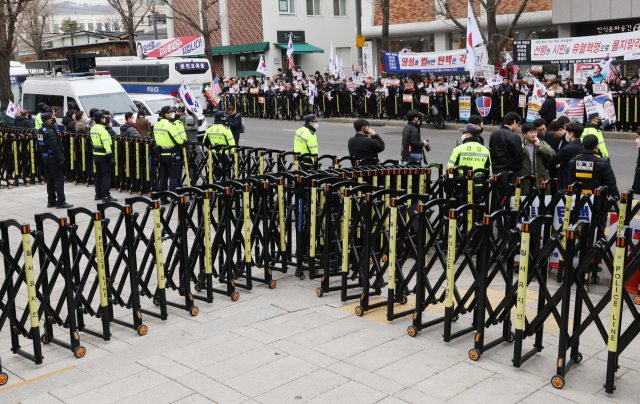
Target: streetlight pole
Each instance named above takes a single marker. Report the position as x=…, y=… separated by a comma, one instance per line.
x=155, y=21
x=359, y=28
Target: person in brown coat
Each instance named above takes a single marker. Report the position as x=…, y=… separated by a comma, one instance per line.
x=81, y=122
x=143, y=124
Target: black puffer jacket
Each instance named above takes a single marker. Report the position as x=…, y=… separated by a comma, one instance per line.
x=50, y=145
x=548, y=109
x=506, y=150
x=601, y=171
x=563, y=157
x=411, y=141
x=23, y=122
x=129, y=129
x=69, y=124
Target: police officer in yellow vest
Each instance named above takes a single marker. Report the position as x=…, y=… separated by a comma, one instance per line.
x=102, y=156
x=41, y=108
x=179, y=124
x=306, y=140
x=169, y=148
x=471, y=152
x=594, y=127
x=218, y=133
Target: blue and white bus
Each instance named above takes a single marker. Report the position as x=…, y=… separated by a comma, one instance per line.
x=158, y=76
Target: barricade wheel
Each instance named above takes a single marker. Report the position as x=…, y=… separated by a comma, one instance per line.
x=272, y=285
x=359, y=311
x=28, y=185
x=75, y=182
x=595, y=279
x=404, y=299
x=454, y=318
x=235, y=297
x=10, y=186
x=140, y=193
x=319, y=292
x=578, y=358
x=557, y=382
x=637, y=300
x=142, y=330
x=3, y=379
x=42, y=183
x=412, y=331
x=198, y=288
x=156, y=302
x=474, y=354
x=511, y=337
x=129, y=192
x=194, y=311
x=44, y=339
x=79, y=352
x=119, y=189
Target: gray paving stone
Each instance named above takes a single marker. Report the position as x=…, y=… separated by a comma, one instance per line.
x=352, y=393
x=211, y=389
x=256, y=334
x=303, y=389
x=542, y=396
x=383, y=355
x=495, y=390
x=304, y=353
x=268, y=377
x=457, y=379
x=166, y=393
x=204, y=354
x=194, y=399
x=164, y=366
x=391, y=400
x=627, y=388
x=416, y=397
x=242, y=363
x=415, y=368
x=326, y=333
x=351, y=344
x=368, y=379
x=307, y=322
x=120, y=389
x=229, y=323
x=41, y=399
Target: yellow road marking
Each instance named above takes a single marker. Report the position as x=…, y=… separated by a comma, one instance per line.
x=36, y=378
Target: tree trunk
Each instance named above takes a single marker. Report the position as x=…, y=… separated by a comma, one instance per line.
x=206, y=33
x=493, y=47
x=384, y=5
x=6, y=94
x=131, y=36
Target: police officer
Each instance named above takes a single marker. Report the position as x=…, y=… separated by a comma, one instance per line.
x=102, y=156
x=50, y=147
x=306, y=140
x=471, y=152
x=594, y=127
x=168, y=143
x=218, y=133
x=592, y=169
x=179, y=123
x=41, y=108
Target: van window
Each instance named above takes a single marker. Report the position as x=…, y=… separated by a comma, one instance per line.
x=53, y=101
x=116, y=103
x=72, y=104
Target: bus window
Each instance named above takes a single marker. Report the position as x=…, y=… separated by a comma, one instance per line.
x=158, y=73
x=137, y=74
x=53, y=101
x=118, y=72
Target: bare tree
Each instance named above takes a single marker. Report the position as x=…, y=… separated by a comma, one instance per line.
x=487, y=9
x=128, y=11
x=33, y=23
x=10, y=10
x=383, y=6
x=206, y=28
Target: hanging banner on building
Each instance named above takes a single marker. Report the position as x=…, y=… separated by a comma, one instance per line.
x=465, y=108
x=572, y=108
x=585, y=49
x=161, y=48
x=431, y=62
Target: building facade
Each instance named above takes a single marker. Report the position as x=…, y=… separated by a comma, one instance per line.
x=253, y=28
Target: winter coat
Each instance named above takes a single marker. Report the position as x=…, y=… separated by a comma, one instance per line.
x=548, y=110
x=144, y=126
x=129, y=129
x=69, y=124
x=506, y=151
x=542, y=155
x=81, y=126
x=411, y=139
x=23, y=122
x=563, y=157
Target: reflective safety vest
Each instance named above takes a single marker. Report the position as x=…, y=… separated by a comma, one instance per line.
x=39, y=120
x=470, y=153
x=602, y=148
x=219, y=134
x=305, y=141
x=180, y=126
x=100, y=139
x=166, y=136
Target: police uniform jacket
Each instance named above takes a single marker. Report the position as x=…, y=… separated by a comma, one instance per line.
x=593, y=171
x=50, y=144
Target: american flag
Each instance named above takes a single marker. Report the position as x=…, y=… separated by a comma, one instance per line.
x=515, y=69
x=215, y=86
x=611, y=75
x=573, y=108
x=212, y=92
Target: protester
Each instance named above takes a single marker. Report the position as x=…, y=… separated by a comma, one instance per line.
x=5, y=119
x=548, y=109
x=506, y=150
x=69, y=121
x=143, y=124
x=234, y=122
x=129, y=128
x=365, y=145
x=412, y=143
x=81, y=122
x=562, y=158
x=537, y=155
x=23, y=121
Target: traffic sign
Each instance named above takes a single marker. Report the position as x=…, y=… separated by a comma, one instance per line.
x=360, y=41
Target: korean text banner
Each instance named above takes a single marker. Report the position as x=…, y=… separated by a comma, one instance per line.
x=431, y=62
x=586, y=49
x=183, y=46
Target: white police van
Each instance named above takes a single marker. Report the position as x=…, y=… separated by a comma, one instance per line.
x=78, y=91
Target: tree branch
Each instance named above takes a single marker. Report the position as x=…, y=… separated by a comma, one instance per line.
x=503, y=41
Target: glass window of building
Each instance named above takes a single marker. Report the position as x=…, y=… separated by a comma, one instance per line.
x=99, y=25
x=340, y=8
x=81, y=26
x=90, y=26
x=247, y=63
x=457, y=40
x=107, y=26
x=287, y=6
x=313, y=7
x=424, y=43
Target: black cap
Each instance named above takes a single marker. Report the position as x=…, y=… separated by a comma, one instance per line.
x=46, y=116
x=310, y=118
x=42, y=105
x=98, y=116
x=166, y=109
x=595, y=115
x=219, y=116
x=180, y=109
x=107, y=113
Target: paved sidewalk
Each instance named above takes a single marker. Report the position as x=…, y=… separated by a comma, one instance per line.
x=288, y=346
